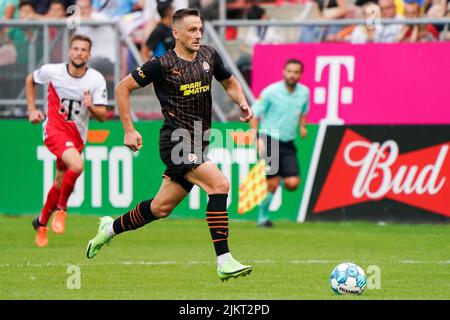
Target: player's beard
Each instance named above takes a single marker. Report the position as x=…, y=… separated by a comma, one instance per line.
x=78, y=65
x=291, y=84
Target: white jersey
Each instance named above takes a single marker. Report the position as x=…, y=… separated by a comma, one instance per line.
x=66, y=113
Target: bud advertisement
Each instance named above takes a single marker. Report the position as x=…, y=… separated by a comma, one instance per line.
x=383, y=173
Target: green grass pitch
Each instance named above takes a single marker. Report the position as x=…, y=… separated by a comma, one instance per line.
x=174, y=259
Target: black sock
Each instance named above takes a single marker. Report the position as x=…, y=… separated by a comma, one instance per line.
x=217, y=218
x=135, y=218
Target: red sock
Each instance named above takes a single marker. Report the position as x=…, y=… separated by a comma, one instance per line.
x=67, y=186
x=50, y=205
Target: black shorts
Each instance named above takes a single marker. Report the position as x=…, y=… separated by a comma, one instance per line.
x=179, y=157
x=284, y=162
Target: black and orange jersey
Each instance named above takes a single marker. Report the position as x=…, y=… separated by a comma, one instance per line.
x=184, y=87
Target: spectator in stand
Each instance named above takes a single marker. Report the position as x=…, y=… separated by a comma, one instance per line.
x=115, y=8
x=9, y=9
x=231, y=32
x=150, y=11
x=438, y=9
x=151, y=17
x=103, y=39
x=209, y=9
x=389, y=32
x=161, y=38
x=43, y=6
x=360, y=5
x=24, y=37
x=260, y=34
x=446, y=31
x=418, y=32
x=254, y=35
x=57, y=10
x=124, y=11
x=27, y=10
x=365, y=33
x=326, y=10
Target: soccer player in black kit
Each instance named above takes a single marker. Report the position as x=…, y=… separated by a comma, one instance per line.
x=182, y=80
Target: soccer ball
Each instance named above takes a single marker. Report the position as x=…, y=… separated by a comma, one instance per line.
x=348, y=278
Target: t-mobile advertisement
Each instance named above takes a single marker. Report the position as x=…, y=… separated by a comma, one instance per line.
x=365, y=84
x=389, y=173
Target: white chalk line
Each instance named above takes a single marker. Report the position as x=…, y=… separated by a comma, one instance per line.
x=159, y=263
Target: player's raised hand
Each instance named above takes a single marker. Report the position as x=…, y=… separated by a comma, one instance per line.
x=133, y=140
x=36, y=116
x=87, y=99
x=247, y=112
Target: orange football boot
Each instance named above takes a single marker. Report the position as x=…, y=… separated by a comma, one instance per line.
x=41, y=233
x=59, y=221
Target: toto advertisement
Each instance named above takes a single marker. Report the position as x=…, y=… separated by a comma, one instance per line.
x=383, y=173
x=365, y=84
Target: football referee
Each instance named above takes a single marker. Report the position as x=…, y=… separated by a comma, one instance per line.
x=281, y=112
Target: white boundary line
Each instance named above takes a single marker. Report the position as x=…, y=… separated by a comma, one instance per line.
x=312, y=172
x=159, y=263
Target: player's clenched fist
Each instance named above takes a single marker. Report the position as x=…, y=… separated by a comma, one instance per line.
x=133, y=140
x=247, y=112
x=36, y=116
x=87, y=99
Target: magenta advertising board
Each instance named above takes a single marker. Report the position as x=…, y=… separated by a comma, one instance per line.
x=365, y=84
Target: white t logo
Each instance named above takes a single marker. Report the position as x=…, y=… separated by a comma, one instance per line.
x=346, y=95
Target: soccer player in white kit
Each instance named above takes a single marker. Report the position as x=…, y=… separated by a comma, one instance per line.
x=74, y=93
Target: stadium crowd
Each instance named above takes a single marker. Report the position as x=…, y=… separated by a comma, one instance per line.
x=141, y=17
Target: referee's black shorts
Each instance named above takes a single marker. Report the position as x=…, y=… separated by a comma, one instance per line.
x=282, y=162
x=179, y=157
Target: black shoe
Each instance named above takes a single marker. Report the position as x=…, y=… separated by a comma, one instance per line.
x=35, y=223
x=266, y=224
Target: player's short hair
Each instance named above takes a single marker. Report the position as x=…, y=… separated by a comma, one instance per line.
x=81, y=37
x=185, y=12
x=295, y=61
